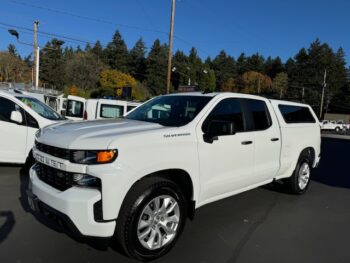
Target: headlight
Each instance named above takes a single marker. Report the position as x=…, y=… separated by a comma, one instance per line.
x=93, y=157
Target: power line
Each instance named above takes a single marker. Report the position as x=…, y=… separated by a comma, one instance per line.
x=104, y=21
x=95, y=19
x=43, y=33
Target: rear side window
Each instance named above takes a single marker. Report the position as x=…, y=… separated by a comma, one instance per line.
x=227, y=110
x=75, y=109
x=111, y=111
x=296, y=114
x=259, y=114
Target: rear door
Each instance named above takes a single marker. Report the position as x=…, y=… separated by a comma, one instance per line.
x=75, y=108
x=13, y=136
x=263, y=123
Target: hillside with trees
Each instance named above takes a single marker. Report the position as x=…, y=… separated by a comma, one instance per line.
x=103, y=70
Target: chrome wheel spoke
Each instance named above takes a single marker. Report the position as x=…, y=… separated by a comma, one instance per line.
x=303, y=175
x=144, y=223
x=150, y=241
x=171, y=208
x=145, y=233
x=172, y=219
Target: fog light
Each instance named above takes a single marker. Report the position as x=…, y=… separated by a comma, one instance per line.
x=86, y=180
x=77, y=177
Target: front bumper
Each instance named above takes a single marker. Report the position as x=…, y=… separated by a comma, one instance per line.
x=76, y=204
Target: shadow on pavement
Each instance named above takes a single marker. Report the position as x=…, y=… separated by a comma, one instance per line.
x=7, y=226
x=335, y=163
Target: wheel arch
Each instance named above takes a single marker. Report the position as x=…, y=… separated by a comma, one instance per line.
x=309, y=151
x=181, y=178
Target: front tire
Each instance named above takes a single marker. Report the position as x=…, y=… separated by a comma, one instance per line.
x=151, y=219
x=300, y=179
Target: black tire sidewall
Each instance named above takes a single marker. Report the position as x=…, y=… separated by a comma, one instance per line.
x=134, y=246
x=303, y=159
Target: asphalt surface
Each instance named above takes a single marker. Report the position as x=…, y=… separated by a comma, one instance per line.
x=262, y=225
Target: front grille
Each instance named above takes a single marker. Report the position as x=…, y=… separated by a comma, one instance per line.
x=58, y=179
x=54, y=151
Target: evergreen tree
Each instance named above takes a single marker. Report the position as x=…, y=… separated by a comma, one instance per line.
x=52, y=69
x=87, y=47
x=224, y=67
x=273, y=66
x=97, y=49
x=12, y=50
x=157, y=68
x=138, y=61
x=180, y=74
x=242, y=65
x=255, y=63
x=116, y=53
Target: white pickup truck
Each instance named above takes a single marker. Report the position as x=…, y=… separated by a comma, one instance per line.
x=139, y=177
x=79, y=108
x=333, y=125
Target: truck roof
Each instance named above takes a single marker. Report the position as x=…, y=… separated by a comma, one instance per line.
x=213, y=94
x=14, y=94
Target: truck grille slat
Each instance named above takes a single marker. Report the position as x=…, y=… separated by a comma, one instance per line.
x=54, y=151
x=58, y=179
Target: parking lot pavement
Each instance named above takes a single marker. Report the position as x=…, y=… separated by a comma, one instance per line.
x=263, y=225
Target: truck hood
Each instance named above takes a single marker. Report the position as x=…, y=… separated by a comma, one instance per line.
x=89, y=135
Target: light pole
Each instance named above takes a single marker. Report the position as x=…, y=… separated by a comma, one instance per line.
x=36, y=55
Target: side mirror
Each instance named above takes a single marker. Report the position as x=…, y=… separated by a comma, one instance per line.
x=218, y=128
x=16, y=116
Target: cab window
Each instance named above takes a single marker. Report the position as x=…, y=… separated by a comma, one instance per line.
x=227, y=110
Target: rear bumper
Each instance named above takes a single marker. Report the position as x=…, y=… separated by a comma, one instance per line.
x=73, y=206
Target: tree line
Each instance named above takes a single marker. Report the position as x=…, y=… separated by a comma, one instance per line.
x=103, y=70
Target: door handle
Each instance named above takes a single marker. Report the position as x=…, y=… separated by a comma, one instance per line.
x=246, y=142
x=275, y=139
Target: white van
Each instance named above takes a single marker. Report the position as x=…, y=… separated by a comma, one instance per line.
x=20, y=117
x=79, y=108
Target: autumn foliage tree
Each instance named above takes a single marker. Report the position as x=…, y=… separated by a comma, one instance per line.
x=256, y=83
x=113, y=81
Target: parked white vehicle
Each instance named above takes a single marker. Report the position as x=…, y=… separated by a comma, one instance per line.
x=20, y=118
x=139, y=177
x=79, y=108
x=333, y=125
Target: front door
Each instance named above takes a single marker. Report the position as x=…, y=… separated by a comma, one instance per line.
x=226, y=164
x=13, y=136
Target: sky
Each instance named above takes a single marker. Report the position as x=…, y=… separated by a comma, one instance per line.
x=270, y=27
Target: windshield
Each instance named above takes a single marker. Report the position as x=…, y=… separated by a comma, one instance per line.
x=170, y=110
x=41, y=108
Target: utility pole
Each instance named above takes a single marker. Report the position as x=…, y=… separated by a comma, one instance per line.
x=323, y=89
x=36, y=54
x=170, y=54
